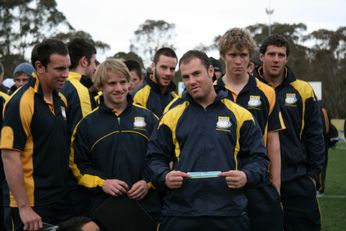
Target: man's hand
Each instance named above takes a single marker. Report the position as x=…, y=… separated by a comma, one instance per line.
x=31, y=220
x=138, y=190
x=235, y=178
x=115, y=187
x=174, y=179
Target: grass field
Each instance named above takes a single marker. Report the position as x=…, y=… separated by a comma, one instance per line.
x=333, y=203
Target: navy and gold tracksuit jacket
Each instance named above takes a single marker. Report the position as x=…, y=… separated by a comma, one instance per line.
x=302, y=144
x=221, y=137
x=260, y=100
x=149, y=95
x=37, y=129
x=3, y=98
x=109, y=146
x=80, y=101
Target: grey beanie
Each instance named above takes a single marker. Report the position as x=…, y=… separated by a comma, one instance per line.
x=27, y=68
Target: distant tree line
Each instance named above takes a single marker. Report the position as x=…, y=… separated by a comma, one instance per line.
x=315, y=56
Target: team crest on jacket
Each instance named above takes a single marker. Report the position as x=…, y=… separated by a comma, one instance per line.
x=291, y=98
x=139, y=122
x=223, y=122
x=254, y=101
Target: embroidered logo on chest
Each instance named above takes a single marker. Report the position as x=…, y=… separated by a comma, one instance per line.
x=254, y=101
x=139, y=122
x=223, y=122
x=291, y=99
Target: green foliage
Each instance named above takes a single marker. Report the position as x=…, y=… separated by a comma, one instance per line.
x=333, y=203
x=10, y=62
x=24, y=23
x=151, y=36
x=129, y=56
x=66, y=37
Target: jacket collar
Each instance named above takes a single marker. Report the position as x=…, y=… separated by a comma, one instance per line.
x=289, y=76
x=251, y=84
x=110, y=110
x=152, y=82
x=34, y=82
x=221, y=93
x=83, y=79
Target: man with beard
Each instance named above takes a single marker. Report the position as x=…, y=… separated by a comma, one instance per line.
x=158, y=89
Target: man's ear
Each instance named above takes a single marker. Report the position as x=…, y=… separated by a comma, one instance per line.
x=211, y=71
x=83, y=62
x=152, y=67
x=40, y=69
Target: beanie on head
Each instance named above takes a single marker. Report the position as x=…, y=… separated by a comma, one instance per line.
x=26, y=68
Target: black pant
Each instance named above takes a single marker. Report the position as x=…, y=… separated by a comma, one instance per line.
x=301, y=210
x=51, y=214
x=207, y=223
x=264, y=208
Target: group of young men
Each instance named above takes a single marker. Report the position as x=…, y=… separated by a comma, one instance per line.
x=241, y=153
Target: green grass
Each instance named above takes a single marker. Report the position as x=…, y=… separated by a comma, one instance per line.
x=333, y=203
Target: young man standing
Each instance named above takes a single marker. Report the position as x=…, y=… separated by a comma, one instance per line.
x=109, y=145
x=158, y=89
x=216, y=150
x=76, y=89
x=302, y=145
x=237, y=48
x=35, y=144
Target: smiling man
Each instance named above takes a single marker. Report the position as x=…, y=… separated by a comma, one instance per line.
x=108, y=146
x=158, y=90
x=35, y=144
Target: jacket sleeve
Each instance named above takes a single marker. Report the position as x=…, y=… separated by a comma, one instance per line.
x=159, y=155
x=252, y=156
x=313, y=138
x=81, y=161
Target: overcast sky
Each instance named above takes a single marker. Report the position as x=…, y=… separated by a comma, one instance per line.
x=197, y=21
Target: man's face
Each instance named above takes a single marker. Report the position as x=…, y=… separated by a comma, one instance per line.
x=197, y=79
x=237, y=62
x=91, y=67
x=21, y=79
x=54, y=75
x=217, y=74
x=164, y=70
x=135, y=80
x=274, y=61
x=115, y=90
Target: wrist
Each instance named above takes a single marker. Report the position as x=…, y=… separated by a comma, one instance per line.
x=23, y=206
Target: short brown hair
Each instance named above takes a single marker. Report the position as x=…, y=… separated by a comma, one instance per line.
x=110, y=65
